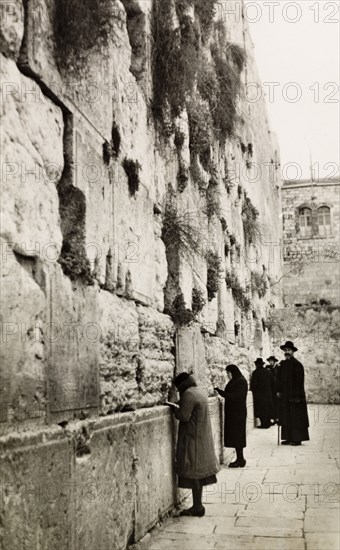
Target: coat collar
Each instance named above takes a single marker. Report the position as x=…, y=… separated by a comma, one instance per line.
x=188, y=383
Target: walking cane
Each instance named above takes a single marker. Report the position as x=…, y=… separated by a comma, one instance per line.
x=278, y=428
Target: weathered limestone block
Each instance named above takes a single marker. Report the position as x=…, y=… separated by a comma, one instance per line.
x=91, y=176
x=160, y=266
x=156, y=332
x=105, y=482
x=77, y=67
x=119, y=353
x=74, y=338
x=134, y=239
x=23, y=349
x=32, y=157
x=191, y=354
x=37, y=497
x=11, y=27
x=154, y=471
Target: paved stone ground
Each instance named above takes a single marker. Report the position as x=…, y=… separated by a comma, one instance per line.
x=286, y=498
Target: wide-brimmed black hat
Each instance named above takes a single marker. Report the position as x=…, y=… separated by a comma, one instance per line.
x=289, y=345
x=272, y=358
x=259, y=361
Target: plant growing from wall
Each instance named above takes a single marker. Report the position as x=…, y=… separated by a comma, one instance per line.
x=200, y=129
x=232, y=239
x=179, y=313
x=213, y=201
x=259, y=283
x=239, y=293
x=175, y=58
x=182, y=177
x=251, y=226
x=224, y=106
x=80, y=27
x=132, y=168
x=181, y=230
x=214, y=269
x=198, y=301
x=224, y=224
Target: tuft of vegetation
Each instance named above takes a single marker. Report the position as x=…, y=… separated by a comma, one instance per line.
x=182, y=178
x=213, y=201
x=259, y=283
x=179, y=313
x=226, y=249
x=176, y=58
x=198, y=301
x=237, y=55
x=224, y=105
x=75, y=264
x=80, y=27
x=181, y=230
x=214, y=269
x=200, y=128
x=179, y=139
x=238, y=291
x=232, y=239
x=132, y=168
x=251, y=226
x=224, y=224
x=239, y=191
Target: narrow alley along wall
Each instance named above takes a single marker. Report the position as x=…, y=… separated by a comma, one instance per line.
x=133, y=249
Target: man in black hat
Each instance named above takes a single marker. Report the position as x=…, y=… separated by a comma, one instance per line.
x=261, y=386
x=293, y=414
x=272, y=368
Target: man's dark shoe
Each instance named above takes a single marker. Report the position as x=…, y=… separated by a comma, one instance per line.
x=192, y=512
x=263, y=427
x=237, y=464
x=285, y=443
x=295, y=443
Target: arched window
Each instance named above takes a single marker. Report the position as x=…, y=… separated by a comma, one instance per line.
x=324, y=221
x=305, y=222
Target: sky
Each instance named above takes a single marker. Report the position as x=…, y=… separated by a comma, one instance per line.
x=298, y=42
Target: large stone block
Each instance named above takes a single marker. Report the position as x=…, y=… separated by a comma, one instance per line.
x=36, y=493
x=32, y=163
x=23, y=347
x=76, y=68
x=155, y=471
x=105, y=482
x=73, y=363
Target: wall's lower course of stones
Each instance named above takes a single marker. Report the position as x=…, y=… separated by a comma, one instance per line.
x=94, y=484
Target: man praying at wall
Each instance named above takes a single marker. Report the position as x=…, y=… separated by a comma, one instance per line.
x=293, y=414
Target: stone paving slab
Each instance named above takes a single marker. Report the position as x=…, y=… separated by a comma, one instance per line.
x=322, y=541
x=286, y=498
x=278, y=543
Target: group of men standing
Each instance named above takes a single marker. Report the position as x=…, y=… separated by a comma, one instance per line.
x=279, y=395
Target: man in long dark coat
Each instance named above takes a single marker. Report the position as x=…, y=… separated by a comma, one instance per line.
x=261, y=386
x=293, y=414
x=272, y=367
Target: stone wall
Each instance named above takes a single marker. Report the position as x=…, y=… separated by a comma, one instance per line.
x=315, y=330
x=108, y=217
x=311, y=263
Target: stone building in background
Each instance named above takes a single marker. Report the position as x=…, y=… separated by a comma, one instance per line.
x=141, y=236
x=311, y=289
x=311, y=229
